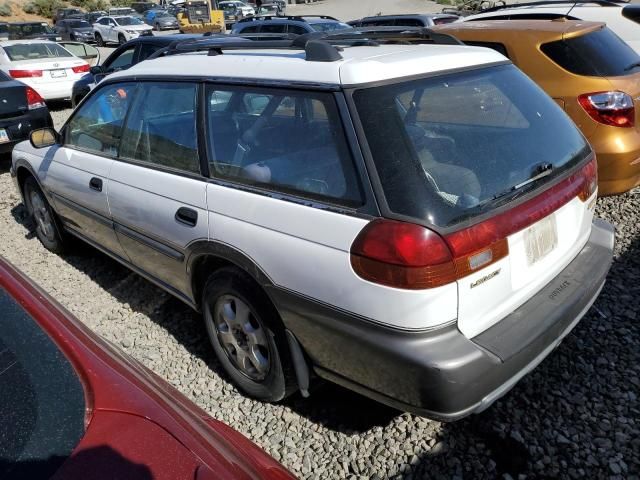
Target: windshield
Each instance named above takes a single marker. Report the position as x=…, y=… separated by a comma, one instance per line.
x=329, y=26
x=35, y=51
x=80, y=24
x=600, y=53
x=128, y=21
x=41, y=398
x=163, y=15
x=447, y=148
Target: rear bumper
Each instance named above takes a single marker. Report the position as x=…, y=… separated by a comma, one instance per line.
x=442, y=374
x=19, y=128
x=618, y=159
x=54, y=90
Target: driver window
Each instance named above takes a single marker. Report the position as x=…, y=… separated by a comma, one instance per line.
x=124, y=61
x=97, y=125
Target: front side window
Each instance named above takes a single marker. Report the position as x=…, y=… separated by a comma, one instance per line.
x=161, y=128
x=452, y=147
x=128, y=21
x=292, y=142
x=122, y=61
x=96, y=126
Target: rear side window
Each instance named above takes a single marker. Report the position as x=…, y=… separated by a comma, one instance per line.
x=163, y=132
x=410, y=22
x=601, y=53
x=273, y=28
x=96, y=125
x=290, y=142
x=250, y=29
x=443, y=20
x=452, y=147
x=386, y=22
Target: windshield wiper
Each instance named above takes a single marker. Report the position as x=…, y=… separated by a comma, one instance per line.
x=632, y=66
x=539, y=172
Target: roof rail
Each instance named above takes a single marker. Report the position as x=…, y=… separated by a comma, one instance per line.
x=602, y=3
x=318, y=46
x=300, y=18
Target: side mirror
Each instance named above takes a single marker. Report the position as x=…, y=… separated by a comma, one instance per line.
x=97, y=70
x=44, y=137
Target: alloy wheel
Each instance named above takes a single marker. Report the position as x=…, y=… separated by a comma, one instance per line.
x=242, y=336
x=44, y=222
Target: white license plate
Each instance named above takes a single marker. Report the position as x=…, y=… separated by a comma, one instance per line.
x=58, y=73
x=540, y=239
x=4, y=137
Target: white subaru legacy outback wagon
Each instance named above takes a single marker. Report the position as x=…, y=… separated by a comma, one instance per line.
x=414, y=222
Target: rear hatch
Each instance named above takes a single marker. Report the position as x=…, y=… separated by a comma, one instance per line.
x=598, y=53
x=486, y=159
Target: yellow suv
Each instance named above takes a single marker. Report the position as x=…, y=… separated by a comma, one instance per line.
x=588, y=70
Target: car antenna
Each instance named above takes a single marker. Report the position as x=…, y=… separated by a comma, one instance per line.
x=566, y=15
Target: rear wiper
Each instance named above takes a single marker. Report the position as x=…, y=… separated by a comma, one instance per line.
x=632, y=66
x=540, y=171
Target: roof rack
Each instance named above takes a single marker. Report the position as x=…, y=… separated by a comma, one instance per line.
x=300, y=18
x=602, y=3
x=318, y=46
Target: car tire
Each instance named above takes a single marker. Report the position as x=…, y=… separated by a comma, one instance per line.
x=99, y=40
x=247, y=335
x=48, y=228
x=121, y=39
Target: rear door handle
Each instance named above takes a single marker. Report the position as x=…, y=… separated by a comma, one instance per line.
x=95, y=184
x=187, y=216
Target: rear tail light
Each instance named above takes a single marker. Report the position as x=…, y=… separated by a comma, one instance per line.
x=409, y=256
x=34, y=100
x=25, y=73
x=80, y=69
x=610, y=108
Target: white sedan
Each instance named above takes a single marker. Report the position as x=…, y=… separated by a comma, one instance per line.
x=45, y=66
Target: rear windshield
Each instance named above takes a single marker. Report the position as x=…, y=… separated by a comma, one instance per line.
x=32, y=28
x=451, y=147
x=41, y=398
x=35, y=51
x=601, y=53
x=329, y=26
x=4, y=28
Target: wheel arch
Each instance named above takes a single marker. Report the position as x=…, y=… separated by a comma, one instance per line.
x=205, y=257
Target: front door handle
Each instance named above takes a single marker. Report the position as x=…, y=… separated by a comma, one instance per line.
x=187, y=216
x=95, y=184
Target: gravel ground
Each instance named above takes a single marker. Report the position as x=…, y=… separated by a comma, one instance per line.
x=575, y=416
